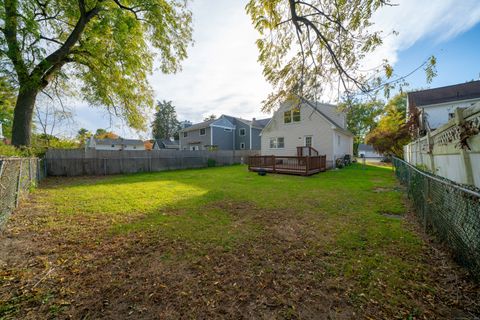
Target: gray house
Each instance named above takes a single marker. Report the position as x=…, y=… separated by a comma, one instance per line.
x=224, y=133
x=165, y=144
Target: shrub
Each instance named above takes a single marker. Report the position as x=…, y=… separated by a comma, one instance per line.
x=211, y=163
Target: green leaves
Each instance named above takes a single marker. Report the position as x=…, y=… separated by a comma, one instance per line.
x=315, y=47
x=109, y=58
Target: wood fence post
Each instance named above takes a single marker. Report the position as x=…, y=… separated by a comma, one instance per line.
x=104, y=166
x=273, y=161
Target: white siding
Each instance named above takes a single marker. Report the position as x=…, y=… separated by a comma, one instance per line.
x=311, y=124
x=438, y=114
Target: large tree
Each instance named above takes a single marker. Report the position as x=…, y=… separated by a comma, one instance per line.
x=392, y=131
x=361, y=118
x=316, y=48
x=165, y=125
x=106, y=48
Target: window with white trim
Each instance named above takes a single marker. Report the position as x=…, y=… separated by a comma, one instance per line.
x=203, y=131
x=242, y=132
x=292, y=115
x=277, y=143
x=338, y=139
x=242, y=145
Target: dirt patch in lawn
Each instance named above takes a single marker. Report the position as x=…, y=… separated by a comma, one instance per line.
x=287, y=271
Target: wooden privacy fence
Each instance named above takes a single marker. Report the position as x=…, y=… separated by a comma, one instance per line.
x=17, y=177
x=97, y=162
x=292, y=165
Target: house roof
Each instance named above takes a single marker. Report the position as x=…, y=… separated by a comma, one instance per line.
x=457, y=92
x=260, y=124
x=199, y=125
x=334, y=123
x=167, y=142
x=127, y=142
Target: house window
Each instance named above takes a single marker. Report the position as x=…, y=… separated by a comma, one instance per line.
x=277, y=143
x=338, y=139
x=202, y=132
x=287, y=116
x=291, y=115
x=242, y=145
x=308, y=141
x=113, y=146
x=451, y=115
x=296, y=115
x=185, y=134
x=227, y=130
x=134, y=147
x=242, y=131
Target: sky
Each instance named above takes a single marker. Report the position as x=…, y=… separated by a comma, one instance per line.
x=222, y=75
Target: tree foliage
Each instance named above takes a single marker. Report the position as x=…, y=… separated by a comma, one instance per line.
x=392, y=131
x=210, y=117
x=7, y=103
x=104, y=47
x=165, y=125
x=316, y=48
x=361, y=118
x=104, y=134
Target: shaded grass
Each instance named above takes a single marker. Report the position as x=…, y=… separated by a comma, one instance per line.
x=298, y=237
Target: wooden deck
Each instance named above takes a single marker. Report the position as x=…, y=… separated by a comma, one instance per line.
x=299, y=165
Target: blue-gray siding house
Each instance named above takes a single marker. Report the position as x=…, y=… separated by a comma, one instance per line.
x=224, y=133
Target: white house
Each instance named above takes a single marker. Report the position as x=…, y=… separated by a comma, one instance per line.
x=115, y=144
x=438, y=105
x=317, y=125
x=367, y=151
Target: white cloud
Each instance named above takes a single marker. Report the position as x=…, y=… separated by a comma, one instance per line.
x=417, y=20
x=222, y=75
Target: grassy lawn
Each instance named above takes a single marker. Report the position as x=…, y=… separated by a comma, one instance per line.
x=225, y=243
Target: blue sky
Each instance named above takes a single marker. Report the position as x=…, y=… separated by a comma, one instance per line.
x=222, y=75
x=458, y=59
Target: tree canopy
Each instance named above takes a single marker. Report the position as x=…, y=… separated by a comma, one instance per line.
x=7, y=103
x=165, y=124
x=106, y=48
x=315, y=48
x=392, y=131
x=361, y=118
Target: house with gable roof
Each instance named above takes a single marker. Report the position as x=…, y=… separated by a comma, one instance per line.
x=224, y=133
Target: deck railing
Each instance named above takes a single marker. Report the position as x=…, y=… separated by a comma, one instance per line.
x=306, y=151
x=288, y=164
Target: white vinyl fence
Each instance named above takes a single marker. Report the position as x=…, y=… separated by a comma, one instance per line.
x=441, y=153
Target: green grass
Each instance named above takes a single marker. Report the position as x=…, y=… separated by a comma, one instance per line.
x=337, y=217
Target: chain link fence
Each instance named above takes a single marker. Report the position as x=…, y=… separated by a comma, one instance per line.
x=17, y=177
x=449, y=210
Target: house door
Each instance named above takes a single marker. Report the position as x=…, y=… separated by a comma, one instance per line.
x=308, y=141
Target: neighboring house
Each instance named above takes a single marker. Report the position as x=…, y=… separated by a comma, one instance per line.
x=438, y=105
x=166, y=144
x=224, y=133
x=115, y=144
x=367, y=151
x=315, y=125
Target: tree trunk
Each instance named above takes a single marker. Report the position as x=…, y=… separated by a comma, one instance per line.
x=23, y=115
